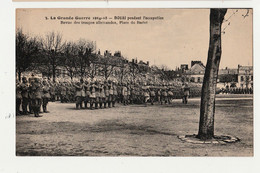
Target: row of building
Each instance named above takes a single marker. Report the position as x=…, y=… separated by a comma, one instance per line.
x=240, y=77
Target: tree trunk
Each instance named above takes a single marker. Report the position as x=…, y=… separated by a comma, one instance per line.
x=207, y=106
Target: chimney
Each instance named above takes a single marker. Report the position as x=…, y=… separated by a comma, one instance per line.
x=147, y=63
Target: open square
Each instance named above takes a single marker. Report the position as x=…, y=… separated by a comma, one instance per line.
x=135, y=130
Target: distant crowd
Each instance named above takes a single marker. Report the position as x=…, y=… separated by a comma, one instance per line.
x=236, y=91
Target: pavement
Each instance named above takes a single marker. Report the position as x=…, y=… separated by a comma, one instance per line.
x=135, y=130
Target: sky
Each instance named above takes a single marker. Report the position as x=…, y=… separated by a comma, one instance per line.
x=182, y=35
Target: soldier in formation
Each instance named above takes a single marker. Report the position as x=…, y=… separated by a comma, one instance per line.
x=32, y=95
x=96, y=94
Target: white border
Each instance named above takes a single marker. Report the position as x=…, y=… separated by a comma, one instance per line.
x=10, y=163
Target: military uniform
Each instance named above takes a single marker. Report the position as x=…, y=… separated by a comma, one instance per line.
x=125, y=93
x=25, y=95
x=146, y=94
x=102, y=96
x=159, y=95
x=87, y=94
x=80, y=94
x=36, y=97
x=52, y=92
x=186, y=93
x=97, y=90
x=170, y=95
x=46, y=96
x=18, y=98
x=152, y=95
x=63, y=93
x=110, y=93
x=114, y=95
x=92, y=95
x=164, y=95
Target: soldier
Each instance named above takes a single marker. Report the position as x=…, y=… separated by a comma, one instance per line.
x=119, y=93
x=170, y=95
x=52, y=91
x=18, y=97
x=46, y=96
x=25, y=95
x=186, y=93
x=159, y=95
x=102, y=97
x=79, y=93
x=58, y=91
x=92, y=94
x=114, y=94
x=87, y=91
x=128, y=93
x=36, y=96
x=97, y=90
x=106, y=90
x=63, y=92
x=146, y=94
x=164, y=95
x=152, y=94
x=125, y=93
x=110, y=90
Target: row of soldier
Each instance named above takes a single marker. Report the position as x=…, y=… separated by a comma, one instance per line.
x=236, y=91
x=32, y=95
x=36, y=93
x=103, y=94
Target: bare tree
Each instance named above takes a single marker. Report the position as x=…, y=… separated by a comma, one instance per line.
x=52, y=45
x=85, y=54
x=207, y=106
x=26, y=50
x=69, y=58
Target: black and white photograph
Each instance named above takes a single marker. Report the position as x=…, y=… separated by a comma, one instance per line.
x=134, y=82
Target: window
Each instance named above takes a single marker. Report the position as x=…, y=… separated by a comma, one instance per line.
x=242, y=78
x=198, y=79
x=251, y=78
